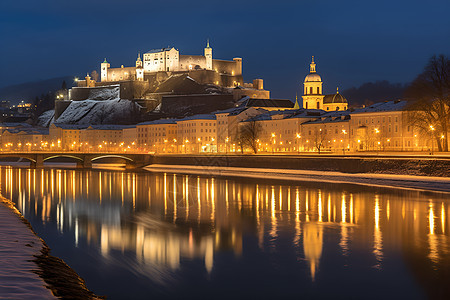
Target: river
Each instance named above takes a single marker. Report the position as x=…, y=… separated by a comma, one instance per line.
x=161, y=235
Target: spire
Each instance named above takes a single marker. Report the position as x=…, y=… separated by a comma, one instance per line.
x=105, y=62
x=207, y=43
x=296, y=106
x=139, y=56
x=312, y=68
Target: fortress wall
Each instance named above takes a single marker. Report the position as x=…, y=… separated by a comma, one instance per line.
x=226, y=67
x=252, y=93
x=60, y=107
x=194, y=60
x=80, y=93
x=117, y=74
x=231, y=81
x=206, y=77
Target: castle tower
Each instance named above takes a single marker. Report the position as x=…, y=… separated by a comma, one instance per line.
x=139, y=61
x=312, y=96
x=104, y=70
x=237, y=66
x=208, y=55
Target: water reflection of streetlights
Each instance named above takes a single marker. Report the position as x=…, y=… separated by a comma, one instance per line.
x=298, y=137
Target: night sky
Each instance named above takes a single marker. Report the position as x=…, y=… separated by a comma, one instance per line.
x=353, y=41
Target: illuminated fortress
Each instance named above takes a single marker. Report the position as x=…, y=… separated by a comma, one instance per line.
x=168, y=61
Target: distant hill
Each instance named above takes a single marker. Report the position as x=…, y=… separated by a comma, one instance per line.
x=29, y=90
x=373, y=92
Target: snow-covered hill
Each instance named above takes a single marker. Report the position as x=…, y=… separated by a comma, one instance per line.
x=94, y=112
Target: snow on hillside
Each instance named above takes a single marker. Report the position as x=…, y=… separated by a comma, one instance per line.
x=93, y=112
x=46, y=118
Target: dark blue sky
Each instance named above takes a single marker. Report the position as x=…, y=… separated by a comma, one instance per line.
x=353, y=41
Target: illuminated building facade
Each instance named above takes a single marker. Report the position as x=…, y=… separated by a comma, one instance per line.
x=158, y=136
x=313, y=97
x=160, y=63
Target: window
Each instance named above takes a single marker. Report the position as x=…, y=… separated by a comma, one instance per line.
x=310, y=90
x=318, y=90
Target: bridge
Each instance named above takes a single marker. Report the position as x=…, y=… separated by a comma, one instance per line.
x=83, y=160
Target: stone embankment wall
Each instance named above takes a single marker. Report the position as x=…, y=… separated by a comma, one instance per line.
x=425, y=166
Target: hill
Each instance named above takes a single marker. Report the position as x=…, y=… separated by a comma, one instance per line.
x=373, y=92
x=29, y=90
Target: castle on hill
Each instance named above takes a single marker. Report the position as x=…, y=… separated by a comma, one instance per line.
x=160, y=66
x=220, y=72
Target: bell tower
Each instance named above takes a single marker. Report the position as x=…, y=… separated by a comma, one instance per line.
x=208, y=56
x=312, y=87
x=139, y=61
x=104, y=70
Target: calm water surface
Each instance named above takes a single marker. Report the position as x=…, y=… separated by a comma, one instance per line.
x=152, y=236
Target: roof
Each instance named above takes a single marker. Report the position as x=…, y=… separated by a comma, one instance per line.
x=334, y=98
x=395, y=105
x=199, y=117
x=328, y=120
x=281, y=103
x=308, y=113
x=268, y=115
x=312, y=77
x=9, y=124
x=70, y=126
x=110, y=127
x=160, y=121
x=43, y=131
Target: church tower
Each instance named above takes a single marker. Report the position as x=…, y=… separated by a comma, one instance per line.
x=104, y=70
x=312, y=93
x=139, y=61
x=208, y=56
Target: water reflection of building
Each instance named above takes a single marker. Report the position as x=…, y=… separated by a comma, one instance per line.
x=165, y=218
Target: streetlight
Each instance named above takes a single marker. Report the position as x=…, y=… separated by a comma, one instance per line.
x=185, y=146
x=273, y=141
x=378, y=142
x=432, y=135
x=226, y=145
x=298, y=137
x=344, y=132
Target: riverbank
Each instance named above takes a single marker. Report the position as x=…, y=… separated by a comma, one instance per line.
x=352, y=164
x=426, y=183
x=27, y=270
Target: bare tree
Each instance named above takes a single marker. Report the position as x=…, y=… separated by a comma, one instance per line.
x=319, y=138
x=240, y=139
x=429, y=108
x=250, y=132
x=94, y=75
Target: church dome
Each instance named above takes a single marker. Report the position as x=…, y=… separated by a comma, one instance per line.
x=334, y=98
x=312, y=77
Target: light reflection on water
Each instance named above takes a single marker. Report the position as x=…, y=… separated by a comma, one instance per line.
x=174, y=234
